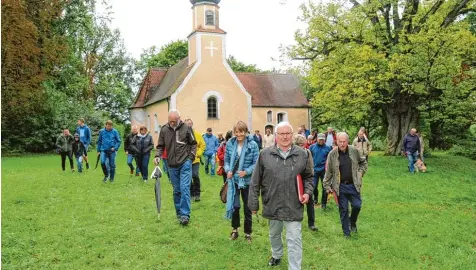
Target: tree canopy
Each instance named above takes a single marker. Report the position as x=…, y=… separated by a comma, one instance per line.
x=409, y=63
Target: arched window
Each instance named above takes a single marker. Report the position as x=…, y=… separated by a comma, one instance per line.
x=269, y=117
x=156, y=124
x=282, y=116
x=209, y=17
x=212, y=109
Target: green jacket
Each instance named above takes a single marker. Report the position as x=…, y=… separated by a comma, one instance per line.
x=65, y=143
x=332, y=176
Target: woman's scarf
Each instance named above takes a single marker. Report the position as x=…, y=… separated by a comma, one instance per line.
x=230, y=196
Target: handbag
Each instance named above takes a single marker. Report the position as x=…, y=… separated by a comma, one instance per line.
x=224, y=188
x=221, y=170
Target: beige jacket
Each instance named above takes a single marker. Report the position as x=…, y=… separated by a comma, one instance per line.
x=332, y=176
x=268, y=140
x=364, y=148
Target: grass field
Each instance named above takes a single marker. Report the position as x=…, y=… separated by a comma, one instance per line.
x=62, y=220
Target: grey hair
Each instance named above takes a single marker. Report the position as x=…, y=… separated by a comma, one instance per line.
x=343, y=134
x=174, y=111
x=299, y=139
x=283, y=124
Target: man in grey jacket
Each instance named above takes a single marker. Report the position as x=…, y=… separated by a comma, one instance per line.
x=177, y=137
x=275, y=176
x=345, y=168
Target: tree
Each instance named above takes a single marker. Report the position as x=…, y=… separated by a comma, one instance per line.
x=399, y=57
x=238, y=66
x=30, y=53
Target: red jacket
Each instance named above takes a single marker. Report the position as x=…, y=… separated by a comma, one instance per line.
x=221, y=154
x=164, y=154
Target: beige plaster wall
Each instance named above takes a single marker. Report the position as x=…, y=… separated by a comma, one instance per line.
x=159, y=108
x=212, y=75
x=295, y=116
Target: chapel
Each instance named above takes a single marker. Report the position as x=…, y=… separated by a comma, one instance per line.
x=204, y=88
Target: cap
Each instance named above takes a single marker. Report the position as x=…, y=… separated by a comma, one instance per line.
x=76, y=135
x=321, y=136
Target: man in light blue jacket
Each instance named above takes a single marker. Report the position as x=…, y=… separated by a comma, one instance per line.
x=85, y=137
x=108, y=143
x=212, y=144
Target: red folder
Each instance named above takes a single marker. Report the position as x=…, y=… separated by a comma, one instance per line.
x=300, y=187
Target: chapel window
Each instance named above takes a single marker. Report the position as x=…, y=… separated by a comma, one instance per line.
x=212, y=107
x=209, y=17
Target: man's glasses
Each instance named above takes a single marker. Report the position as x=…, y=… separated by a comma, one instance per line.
x=285, y=134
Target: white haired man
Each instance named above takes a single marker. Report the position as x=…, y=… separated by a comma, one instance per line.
x=179, y=140
x=274, y=177
x=344, y=176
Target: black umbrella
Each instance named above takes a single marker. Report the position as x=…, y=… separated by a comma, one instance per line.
x=156, y=174
x=97, y=160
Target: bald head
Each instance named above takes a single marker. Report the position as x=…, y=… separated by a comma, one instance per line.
x=413, y=131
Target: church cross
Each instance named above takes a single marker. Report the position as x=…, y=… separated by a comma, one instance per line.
x=211, y=48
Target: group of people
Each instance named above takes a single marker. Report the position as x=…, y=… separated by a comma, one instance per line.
x=77, y=146
x=269, y=171
x=253, y=166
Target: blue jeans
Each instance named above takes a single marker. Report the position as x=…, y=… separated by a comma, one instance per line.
x=143, y=164
x=210, y=160
x=348, y=193
x=79, y=162
x=108, y=163
x=181, y=179
x=130, y=158
x=412, y=158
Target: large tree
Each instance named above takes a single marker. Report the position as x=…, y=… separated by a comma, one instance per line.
x=398, y=57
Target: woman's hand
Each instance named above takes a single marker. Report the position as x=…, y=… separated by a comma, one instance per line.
x=229, y=175
x=242, y=174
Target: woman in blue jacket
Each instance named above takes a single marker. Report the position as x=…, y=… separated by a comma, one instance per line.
x=240, y=158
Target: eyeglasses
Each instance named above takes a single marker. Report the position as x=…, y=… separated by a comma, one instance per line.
x=285, y=134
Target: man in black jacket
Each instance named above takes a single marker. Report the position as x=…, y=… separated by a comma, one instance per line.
x=410, y=148
x=130, y=152
x=181, y=146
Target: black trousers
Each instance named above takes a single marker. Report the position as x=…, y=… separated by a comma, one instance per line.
x=68, y=154
x=311, y=216
x=235, y=220
x=195, y=186
x=317, y=176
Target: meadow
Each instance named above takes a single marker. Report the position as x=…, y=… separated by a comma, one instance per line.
x=62, y=220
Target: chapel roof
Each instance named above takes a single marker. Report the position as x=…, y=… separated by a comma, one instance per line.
x=266, y=89
x=273, y=90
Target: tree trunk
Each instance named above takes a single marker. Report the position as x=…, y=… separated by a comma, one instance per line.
x=401, y=117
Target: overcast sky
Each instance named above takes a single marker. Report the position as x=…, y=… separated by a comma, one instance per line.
x=255, y=28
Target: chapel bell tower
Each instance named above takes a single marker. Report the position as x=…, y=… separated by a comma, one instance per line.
x=205, y=42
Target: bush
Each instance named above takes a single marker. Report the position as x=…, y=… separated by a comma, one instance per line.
x=465, y=149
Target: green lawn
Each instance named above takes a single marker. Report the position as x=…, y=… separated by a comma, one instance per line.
x=64, y=220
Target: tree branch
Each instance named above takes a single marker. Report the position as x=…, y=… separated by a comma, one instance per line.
x=453, y=14
x=432, y=11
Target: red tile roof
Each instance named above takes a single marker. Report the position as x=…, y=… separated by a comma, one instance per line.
x=266, y=90
x=203, y=30
x=154, y=77
x=273, y=90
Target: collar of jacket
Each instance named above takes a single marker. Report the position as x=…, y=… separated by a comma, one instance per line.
x=233, y=140
x=292, y=152
x=180, y=123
